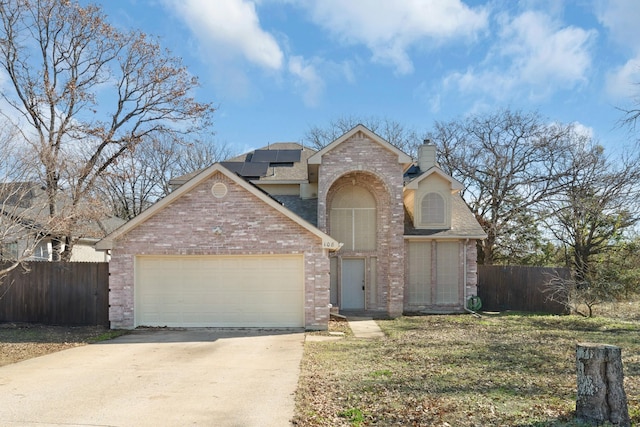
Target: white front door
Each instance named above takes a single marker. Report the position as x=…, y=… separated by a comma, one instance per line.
x=352, y=284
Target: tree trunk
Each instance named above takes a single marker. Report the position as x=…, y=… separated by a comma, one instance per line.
x=601, y=396
x=56, y=248
x=65, y=255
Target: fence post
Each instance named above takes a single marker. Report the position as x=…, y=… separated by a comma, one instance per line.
x=601, y=396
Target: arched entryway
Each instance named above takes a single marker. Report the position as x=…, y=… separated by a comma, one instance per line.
x=357, y=202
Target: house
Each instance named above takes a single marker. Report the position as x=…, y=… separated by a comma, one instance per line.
x=278, y=236
x=25, y=226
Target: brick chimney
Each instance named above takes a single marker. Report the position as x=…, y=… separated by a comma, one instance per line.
x=427, y=155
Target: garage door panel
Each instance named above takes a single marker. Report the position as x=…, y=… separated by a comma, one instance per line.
x=224, y=291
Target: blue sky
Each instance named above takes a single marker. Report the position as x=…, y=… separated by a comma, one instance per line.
x=274, y=68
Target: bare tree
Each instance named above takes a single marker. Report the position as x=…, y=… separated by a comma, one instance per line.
x=593, y=218
x=631, y=114
x=198, y=154
x=576, y=296
x=408, y=140
x=599, y=202
x=141, y=177
x=509, y=162
x=86, y=95
x=24, y=223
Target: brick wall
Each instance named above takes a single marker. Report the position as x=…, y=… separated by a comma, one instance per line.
x=249, y=227
x=377, y=169
x=472, y=268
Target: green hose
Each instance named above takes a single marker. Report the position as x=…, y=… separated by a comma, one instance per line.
x=474, y=303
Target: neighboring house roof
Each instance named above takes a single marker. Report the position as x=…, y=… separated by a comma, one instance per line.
x=97, y=229
x=327, y=241
x=27, y=203
x=403, y=158
x=463, y=224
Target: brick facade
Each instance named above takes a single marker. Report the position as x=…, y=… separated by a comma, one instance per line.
x=472, y=268
x=364, y=162
x=248, y=223
x=248, y=226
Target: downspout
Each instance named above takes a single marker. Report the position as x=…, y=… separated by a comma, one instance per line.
x=464, y=251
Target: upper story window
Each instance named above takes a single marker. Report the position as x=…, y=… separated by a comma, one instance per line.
x=9, y=251
x=352, y=218
x=433, y=210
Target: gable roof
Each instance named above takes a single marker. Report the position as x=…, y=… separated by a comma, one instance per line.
x=107, y=243
x=403, y=158
x=455, y=184
x=27, y=204
x=463, y=224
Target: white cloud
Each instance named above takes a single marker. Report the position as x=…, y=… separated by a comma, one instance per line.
x=620, y=17
x=389, y=29
x=230, y=28
x=482, y=81
x=307, y=79
x=622, y=82
x=583, y=130
x=541, y=50
x=533, y=56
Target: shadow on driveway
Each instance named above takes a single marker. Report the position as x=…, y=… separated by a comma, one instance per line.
x=158, y=376
x=185, y=335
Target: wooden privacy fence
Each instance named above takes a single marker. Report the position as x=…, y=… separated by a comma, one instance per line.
x=56, y=293
x=519, y=288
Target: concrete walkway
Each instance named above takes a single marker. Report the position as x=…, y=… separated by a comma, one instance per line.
x=365, y=327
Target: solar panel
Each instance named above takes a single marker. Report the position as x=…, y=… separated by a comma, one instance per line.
x=265, y=156
x=254, y=169
x=235, y=167
x=276, y=156
x=288, y=156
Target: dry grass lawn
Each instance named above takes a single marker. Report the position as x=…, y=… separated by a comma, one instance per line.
x=21, y=341
x=459, y=370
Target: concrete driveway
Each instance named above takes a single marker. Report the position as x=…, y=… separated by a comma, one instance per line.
x=195, y=377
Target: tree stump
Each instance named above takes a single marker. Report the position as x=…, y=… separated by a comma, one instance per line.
x=601, y=397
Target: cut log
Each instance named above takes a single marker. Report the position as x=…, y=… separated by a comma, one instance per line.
x=601, y=397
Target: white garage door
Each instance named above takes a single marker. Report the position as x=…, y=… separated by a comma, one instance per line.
x=220, y=291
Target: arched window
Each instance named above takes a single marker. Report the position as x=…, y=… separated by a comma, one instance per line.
x=432, y=210
x=352, y=218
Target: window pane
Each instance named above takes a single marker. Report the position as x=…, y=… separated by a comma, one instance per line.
x=351, y=196
x=9, y=251
x=448, y=264
x=353, y=218
x=342, y=227
x=420, y=272
x=433, y=209
x=365, y=229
